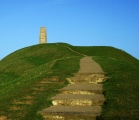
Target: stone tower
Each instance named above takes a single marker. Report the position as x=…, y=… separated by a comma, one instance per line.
x=43, y=35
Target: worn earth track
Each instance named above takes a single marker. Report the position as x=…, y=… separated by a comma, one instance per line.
x=82, y=98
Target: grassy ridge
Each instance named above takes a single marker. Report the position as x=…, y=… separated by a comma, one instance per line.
x=30, y=57
x=25, y=68
x=105, y=51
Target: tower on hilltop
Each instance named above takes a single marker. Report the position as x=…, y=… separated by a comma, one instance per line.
x=43, y=35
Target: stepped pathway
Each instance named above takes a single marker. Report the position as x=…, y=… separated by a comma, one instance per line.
x=82, y=98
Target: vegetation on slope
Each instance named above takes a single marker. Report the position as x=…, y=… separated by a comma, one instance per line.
x=25, y=59
x=25, y=69
x=22, y=70
x=121, y=90
x=105, y=51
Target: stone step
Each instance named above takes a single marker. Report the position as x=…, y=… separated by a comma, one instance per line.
x=93, y=80
x=82, y=89
x=101, y=74
x=78, y=99
x=71, y=112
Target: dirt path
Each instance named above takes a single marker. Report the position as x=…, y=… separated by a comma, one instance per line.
x=82, y=98
x=88, y=65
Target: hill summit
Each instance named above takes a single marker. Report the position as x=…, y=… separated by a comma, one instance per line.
x=23, y=70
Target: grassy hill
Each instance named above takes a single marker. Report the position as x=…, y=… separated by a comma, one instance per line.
x=26, y=68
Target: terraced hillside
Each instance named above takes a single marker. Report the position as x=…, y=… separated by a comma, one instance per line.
x=30, y=76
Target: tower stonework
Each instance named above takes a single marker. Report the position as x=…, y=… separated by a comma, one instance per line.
x=43, y=35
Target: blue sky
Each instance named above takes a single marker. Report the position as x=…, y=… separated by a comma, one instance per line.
x=77, y=22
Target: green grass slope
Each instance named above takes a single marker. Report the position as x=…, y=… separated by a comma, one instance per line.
x=105, y=51
x=30, y=57
x=24, y=69
x=121, y=90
